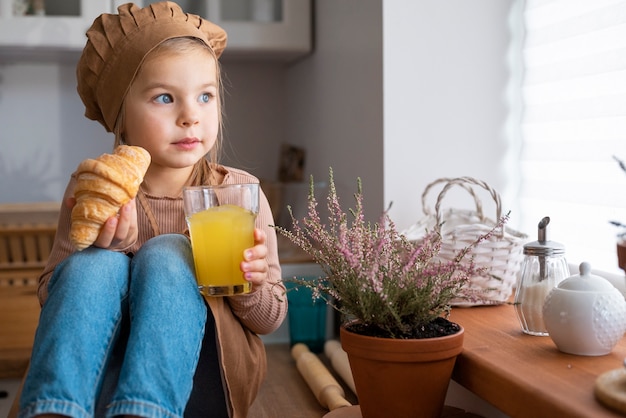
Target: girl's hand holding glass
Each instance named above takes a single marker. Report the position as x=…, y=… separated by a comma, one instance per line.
x=254, y=266
x=221, y=220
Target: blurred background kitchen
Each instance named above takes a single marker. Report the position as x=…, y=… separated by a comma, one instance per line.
x=521, y=94
x=529, y=96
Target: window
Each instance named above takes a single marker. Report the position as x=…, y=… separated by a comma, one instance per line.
x=573, y=121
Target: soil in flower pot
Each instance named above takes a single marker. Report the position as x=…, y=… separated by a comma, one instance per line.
x=402, y=378
x=440, y=327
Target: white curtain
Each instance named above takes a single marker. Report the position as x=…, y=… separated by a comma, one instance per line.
x=573, y=123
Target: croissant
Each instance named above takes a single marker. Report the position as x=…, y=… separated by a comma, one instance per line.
x=103, y=186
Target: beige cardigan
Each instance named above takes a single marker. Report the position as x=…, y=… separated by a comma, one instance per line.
x=238, y=319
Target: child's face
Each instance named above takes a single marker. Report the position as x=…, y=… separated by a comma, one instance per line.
x=171, y=109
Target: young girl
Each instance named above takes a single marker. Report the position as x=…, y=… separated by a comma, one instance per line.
x=123, y=327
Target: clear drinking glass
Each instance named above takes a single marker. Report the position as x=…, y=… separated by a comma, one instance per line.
x=221, y=225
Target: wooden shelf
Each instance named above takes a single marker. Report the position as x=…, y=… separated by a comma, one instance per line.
x=19, y=315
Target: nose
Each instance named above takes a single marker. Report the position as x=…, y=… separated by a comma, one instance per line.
x=188, y=115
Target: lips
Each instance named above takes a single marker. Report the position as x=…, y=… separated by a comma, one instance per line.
x=187, y=143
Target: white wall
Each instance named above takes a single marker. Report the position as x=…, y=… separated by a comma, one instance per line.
x=335, y=99
x=443, y=112
x=403, y=92
x=45, y=135
x=255, y=116
x=445, y=103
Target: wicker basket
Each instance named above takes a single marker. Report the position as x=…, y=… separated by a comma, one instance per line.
x=500, y=255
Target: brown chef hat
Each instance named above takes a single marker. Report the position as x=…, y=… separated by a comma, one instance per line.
x=117, y=44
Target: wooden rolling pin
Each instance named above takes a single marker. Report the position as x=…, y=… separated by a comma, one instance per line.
x=339, y=360
x=323, y=385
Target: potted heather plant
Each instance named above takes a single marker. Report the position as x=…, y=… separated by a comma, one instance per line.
x=394, y=297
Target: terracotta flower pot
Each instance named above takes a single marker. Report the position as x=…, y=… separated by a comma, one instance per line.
x=401, y=378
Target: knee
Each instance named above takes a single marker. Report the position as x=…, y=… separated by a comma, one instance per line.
x=93, y=269
x=167, y=247
x=168, y=254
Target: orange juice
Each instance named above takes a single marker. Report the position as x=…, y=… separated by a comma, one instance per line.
x=219, y=236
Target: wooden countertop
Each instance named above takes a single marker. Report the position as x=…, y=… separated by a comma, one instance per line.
x=524, y=375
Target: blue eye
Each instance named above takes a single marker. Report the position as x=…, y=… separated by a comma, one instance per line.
x=164, y=98
x=205, y=98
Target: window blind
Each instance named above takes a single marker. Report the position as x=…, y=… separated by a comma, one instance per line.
x=573, y=95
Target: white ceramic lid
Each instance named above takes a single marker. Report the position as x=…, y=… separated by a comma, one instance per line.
x=585, y=281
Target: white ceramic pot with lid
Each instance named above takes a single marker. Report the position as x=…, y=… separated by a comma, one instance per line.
x=585, y=314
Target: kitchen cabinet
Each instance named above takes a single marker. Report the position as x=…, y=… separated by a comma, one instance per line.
x=263, y=29
x=56, y=25
x=259, y=29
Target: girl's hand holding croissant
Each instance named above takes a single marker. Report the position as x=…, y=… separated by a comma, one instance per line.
x=254, y=266
x=118, y=232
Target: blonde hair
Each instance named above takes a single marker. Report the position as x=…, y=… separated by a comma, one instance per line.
x=202, y=172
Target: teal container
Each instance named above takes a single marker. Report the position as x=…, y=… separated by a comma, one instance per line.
x=307, y=317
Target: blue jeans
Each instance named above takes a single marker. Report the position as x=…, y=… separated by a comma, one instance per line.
x=95, y=296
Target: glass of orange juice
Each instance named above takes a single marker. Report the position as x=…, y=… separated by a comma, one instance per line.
x=221, y=225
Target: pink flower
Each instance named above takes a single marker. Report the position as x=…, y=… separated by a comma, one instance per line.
x=373, y=273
